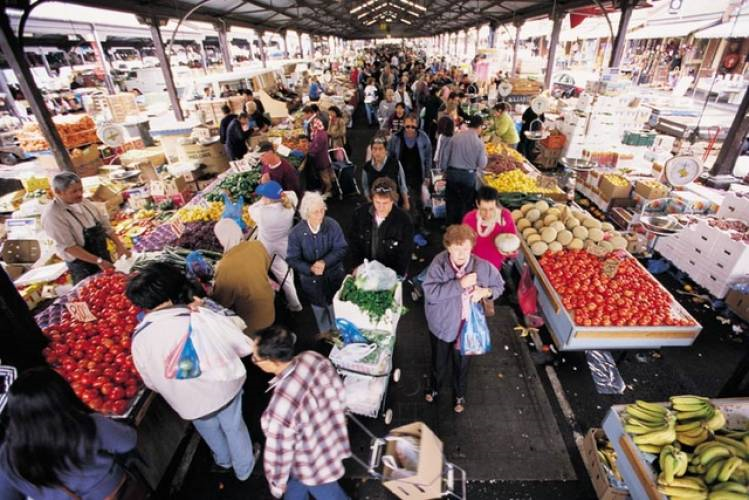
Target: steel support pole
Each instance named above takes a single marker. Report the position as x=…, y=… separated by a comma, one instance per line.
x=223, y=45
x=203, y=57
x=285, y=45
x=15, y=58
x=465, y=42
x=515, y=46
x=103, y=59
x=553, y=42
x=731, y=148
x=9, y=99
x=617, y=50
x=492, y=35
x=263, y=54
x=166, y=69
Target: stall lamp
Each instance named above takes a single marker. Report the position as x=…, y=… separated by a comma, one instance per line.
x=404, y=21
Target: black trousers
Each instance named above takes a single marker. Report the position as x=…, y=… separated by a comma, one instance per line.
x=443, y=355
x=460, y=194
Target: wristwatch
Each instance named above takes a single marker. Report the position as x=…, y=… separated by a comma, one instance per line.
x=99, y=261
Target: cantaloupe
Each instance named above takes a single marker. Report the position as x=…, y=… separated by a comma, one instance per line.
x=523, y=223
x=558, y=225
x=517, y=215
x=539, y=224
x=595, y=234
x=555, y=247
x=533, y=214
x=539, y=248
x=507, y=243
x=529, y=231
x=554, y=211
x=580, y=232
x=605, y=246
x=550, y=219
x=549, y=234
x=571, y=223
x=524, y=209
x=576, y=244
x=542, y=206
x=590, y=222
x=564, y=237
x=533, y=238
x=618, y=243
x=607, y=226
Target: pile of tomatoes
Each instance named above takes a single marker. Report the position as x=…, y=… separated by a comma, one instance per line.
x=94, y=356
x=630, y=298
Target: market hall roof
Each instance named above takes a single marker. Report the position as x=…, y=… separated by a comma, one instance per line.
x=350, y=19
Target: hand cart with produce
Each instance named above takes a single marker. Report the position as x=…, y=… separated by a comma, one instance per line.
x=435, y=202
x=410, y=463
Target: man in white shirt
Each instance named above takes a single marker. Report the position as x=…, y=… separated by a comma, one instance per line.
x=370, y=101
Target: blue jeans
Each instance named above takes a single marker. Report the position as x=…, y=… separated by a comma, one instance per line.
x=371, y=112
x=226, y=434
x=324, y=317
x=296, y=490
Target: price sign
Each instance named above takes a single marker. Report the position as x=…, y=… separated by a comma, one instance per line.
x=80, y=312
x=177, y=227
x=610, y=267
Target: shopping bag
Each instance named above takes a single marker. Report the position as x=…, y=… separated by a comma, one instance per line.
x=233, y=210
x=374, y=276
x=182, y=361
x=527, y=294
x=218, y=358
x=475, y=338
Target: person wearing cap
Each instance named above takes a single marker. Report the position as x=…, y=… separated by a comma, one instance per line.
x=466, y=159
x=273, y=215
x=275, y=168
x=383, y=164
x=241, y=278
x=381, y=231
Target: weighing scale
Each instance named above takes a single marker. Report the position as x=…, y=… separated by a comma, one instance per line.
x=573, y=166
x=539, y=105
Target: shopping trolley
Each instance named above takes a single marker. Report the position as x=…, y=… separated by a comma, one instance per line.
x=452, y=480
x=344, y=173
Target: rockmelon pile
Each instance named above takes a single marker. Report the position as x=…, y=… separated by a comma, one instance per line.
x=551, y=228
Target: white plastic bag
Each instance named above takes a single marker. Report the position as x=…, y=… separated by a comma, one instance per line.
x=218, y=357
x=373, y=276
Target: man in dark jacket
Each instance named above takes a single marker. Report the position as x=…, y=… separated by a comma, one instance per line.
x=237, y=134
x=381, y=231
x=225, y=122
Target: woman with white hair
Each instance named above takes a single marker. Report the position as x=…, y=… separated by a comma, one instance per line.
x=316, y=251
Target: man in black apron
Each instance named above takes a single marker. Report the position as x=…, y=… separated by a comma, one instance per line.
x=79, y=229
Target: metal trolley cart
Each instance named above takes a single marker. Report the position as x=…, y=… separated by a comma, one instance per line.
x=344, y=173
x=434, y=476
x=366, y=370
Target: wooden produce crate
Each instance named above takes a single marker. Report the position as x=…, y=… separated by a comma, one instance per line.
x=570, y=337
x=634, y=465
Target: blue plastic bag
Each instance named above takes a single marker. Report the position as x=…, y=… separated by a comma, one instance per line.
x=198, y=268
x=350, y=334
x=475, y=338
x=182, y=362
x=233, y=211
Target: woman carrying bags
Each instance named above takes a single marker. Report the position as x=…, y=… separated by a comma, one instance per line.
x=273, y=214
x=455, y=280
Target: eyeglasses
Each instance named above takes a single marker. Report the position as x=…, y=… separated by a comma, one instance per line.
x=412, y=127
x=382, y=189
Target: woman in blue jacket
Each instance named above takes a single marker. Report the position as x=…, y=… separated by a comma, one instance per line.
x=55, y=448
x=316, y=251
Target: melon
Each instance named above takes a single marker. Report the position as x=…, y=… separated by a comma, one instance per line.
x=580, y=232
x=571, y=223
x=618, y=243
x=542, y=206
x=533, y=238
x=605, y=246
x=539, y=224
x=555, y=247
x=554, y=211
x=524, y=209
x=523, y=223
x=507, y=243
x=539, y=248
x=607, y=226
x=576, y=244
x=549, y=219
x=529, y=231
x=533, y=214
x=590, y=222
x=517, y=215
x=549, y=234
x=564, y=237
x=595, y=234
x=557, y=225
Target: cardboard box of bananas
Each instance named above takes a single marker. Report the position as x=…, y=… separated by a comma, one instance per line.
x=698, y=457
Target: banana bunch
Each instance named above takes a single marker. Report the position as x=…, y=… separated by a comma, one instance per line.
x=607, y=456
x=673, y=463
x=651, y=425
x=730, y=490
x=697, y=418
x=683, y=488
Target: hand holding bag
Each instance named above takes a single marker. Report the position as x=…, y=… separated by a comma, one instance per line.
x=475, y=338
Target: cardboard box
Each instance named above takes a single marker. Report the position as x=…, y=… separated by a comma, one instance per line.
x=738, y=303
x=88, y=169
x=211, y=155
x=598, y=476
x=108, y=200
x=155, y=155
x=33, y=183
x=168, y=187
x=609, y=190
x=651, y=192
x=427, y=482
x=21, y=252
x=147, y=171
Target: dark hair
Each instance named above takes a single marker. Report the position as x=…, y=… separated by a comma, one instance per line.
x=225, y=109
x=412, y=116
x=49, y=430
x=501, y=106
x=446, y=126
x=243, y=116
x=452, y=95
x=475, y=121
x=248, y=92
x=385, y=187
x=275, y=343
x=400, y=105
x=380, y=137
x=314, y=107
x=308, y=109
x=486, y=193
x=157, y=283
x=336, y=110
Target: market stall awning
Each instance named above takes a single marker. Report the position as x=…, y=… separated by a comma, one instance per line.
x=591, y=28
x=735, y=28
x=669, y=30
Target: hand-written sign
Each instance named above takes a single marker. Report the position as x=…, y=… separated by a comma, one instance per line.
x=80, y=311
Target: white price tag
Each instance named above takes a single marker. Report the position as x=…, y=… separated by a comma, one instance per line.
x=80, y=311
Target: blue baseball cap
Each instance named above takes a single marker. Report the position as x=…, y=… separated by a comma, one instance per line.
x=270, y=189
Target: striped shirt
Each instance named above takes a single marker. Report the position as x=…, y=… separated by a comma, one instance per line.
x=305, y=425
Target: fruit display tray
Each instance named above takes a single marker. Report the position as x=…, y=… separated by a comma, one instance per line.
x=571, y=337
x=634, y=465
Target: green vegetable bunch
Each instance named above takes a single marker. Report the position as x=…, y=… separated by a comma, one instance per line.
x=374, y=303
x=242, y=184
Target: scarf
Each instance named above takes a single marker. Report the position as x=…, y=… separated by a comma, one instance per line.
x=489, y=225
x=465, y=298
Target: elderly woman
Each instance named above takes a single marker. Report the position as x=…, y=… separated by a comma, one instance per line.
x=273, y=214
x=241, y=280
x=79, y=229
x=316, y=251
x=455, y=278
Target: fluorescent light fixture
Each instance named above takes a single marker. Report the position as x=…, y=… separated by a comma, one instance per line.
x=404, y=21
x=365, y=4
x=414, y=5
